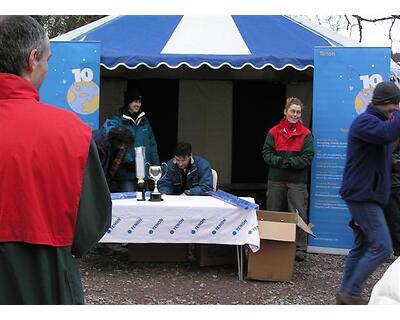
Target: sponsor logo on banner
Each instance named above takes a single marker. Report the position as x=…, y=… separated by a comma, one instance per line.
x=219, y=225
x=239, y=227
x=176, y=227
x=364, y=96
x=197, y=227
x=153, y=228
x=134, y=226
x=253, y=229
x=116, y=221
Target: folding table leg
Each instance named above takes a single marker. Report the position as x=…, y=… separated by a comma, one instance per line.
x=239, y=254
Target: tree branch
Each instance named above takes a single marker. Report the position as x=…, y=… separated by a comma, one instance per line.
x=390, y=30
x=348, y=22
x=359, y=19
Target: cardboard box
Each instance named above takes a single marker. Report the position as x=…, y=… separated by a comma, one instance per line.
x=275, y=259
x=157, y=252
x=215, y=254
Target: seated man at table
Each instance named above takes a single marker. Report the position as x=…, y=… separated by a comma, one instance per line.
x=187, y=174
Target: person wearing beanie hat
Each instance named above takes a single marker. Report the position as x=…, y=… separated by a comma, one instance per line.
x=366, y=189
x=131, y=117
x=386, y=93
x=133, y=95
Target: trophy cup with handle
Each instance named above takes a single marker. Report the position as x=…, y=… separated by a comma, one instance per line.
x=155, y=173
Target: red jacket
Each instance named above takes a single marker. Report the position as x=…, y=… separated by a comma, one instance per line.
x=289, y=136
x=43, y=153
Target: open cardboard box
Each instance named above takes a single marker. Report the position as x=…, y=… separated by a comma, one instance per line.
x=275, y=259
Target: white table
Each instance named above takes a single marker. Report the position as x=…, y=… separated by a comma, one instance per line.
x=184, y=219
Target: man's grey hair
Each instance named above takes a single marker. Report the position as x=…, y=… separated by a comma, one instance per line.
x=19, y=35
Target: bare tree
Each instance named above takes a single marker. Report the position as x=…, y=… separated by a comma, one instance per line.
x=392, y=18
x=354, y=23
x=56, y=25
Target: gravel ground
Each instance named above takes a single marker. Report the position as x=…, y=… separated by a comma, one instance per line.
x=115, y=280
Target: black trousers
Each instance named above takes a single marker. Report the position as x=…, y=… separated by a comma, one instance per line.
x=392, y=215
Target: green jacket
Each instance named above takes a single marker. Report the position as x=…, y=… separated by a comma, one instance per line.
x=287, y=166
x=39, y=274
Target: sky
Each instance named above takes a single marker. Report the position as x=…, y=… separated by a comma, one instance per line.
x=375, y=34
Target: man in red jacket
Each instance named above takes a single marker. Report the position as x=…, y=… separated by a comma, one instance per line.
x=54, y=200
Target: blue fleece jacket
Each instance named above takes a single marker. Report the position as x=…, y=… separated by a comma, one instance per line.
x=199, y=178
x=367, y=174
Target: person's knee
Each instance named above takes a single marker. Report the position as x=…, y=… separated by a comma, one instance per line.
x=388, y=250
x=383, y=249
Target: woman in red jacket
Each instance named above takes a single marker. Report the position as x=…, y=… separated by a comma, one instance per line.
x=288, y=150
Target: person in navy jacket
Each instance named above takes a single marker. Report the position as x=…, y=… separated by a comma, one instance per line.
x=187, y=174
x=366, y=188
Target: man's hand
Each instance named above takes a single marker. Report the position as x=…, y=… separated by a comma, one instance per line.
x=396, y=166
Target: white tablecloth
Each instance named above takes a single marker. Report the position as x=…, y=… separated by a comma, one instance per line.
x=182, y=219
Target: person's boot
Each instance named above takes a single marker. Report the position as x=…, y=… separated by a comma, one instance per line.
x=300, y=255
x=346, y=299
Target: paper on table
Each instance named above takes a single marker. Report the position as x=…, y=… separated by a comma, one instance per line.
x=234, y=200
x=126, y=195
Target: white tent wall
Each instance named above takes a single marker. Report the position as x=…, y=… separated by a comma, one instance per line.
x=205, y=120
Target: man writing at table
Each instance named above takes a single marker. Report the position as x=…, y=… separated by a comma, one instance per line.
x=187, y=174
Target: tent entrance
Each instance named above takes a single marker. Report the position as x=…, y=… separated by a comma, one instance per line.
x=257, y=107
x=160, y=102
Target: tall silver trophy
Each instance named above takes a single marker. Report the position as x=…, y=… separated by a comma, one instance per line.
x=139, y=159
x=156, y=173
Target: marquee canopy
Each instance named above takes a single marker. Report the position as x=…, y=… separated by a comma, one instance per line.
x=215, y=41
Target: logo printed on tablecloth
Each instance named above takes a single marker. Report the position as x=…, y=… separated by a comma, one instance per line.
x=253, y=229
x=176, y=227
x=135, y=225
x=197, y=227
x=219, y=225
x=114, y=224
x=239, y=227
x=153, y=228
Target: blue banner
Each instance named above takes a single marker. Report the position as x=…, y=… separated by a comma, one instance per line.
x=344, y=79
x=73, y=80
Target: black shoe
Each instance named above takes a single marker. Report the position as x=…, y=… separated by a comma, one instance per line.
x=346, y=299
x=300, y=256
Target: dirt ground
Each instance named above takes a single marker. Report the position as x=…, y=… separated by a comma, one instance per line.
x=117, y=281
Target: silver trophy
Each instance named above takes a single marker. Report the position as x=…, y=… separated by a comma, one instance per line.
x=155, y=173
x=140, y=155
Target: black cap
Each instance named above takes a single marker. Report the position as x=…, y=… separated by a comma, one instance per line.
x=386, y=93
x=132, y=95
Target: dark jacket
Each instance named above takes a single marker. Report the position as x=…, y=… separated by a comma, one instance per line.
x=199, y=178
x=367, y=174
x=144, y=136
x=396, y=169
x=103, y=148
x=110, y=156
